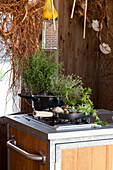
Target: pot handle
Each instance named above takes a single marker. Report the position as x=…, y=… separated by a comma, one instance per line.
x=35, y=157
x=26, y=96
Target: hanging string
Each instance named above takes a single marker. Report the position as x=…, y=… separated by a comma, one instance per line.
x=73, y=8
x=53, y=15
x=85, y=13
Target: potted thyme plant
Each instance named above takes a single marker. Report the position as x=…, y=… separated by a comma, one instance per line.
x=76, y=98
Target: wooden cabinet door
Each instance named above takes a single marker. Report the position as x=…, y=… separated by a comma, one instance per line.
x=31, y=145
x=81, y=157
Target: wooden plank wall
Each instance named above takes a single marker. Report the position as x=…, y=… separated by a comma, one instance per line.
x=105, y=77
x=83, y=57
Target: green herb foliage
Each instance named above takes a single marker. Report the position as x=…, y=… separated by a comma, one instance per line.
x=85, y=105
x=43, y=74
x=38, y=71
x=68, y=88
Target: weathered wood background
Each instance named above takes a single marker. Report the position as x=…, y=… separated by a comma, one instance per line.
x=82, y=56
x=105, y=75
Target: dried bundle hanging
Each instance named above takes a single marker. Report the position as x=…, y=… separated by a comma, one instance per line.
x=20, y=29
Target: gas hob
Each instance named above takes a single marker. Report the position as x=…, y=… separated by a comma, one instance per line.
x=62, y=124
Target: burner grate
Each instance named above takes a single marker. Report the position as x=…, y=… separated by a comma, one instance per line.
x=62, y=124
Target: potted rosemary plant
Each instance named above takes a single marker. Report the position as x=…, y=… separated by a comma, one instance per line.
x=37, y=74
x=38, y=71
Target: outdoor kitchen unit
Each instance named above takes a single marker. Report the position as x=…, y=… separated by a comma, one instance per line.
x=36, y=144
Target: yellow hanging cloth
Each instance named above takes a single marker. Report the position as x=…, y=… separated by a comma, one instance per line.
x=47, y=10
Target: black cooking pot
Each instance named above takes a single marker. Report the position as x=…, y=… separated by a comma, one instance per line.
x=40, y=102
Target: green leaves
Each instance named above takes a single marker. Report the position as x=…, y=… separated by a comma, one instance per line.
x=43, y=74
x=86, y=106
x=38, y=71
x=68, y=88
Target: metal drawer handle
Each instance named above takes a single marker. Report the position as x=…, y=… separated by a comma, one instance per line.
x=40, y=157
